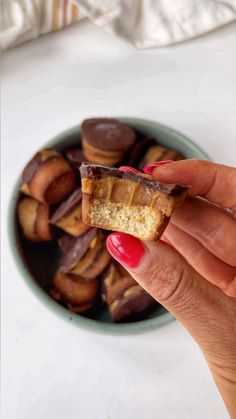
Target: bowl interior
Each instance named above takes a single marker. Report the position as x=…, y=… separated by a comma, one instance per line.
x=37, y=264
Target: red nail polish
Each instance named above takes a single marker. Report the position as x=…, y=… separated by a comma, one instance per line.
x=128, y=169
x=148, y=169
x=128, y=250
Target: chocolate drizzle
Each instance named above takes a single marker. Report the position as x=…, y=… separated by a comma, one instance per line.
x=96, y=171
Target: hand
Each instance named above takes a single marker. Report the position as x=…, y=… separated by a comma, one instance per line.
x=192, y=269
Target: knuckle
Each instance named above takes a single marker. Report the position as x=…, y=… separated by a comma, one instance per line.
x=166, y=283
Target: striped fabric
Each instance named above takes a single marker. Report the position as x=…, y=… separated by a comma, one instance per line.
x=63, y=13
x=145, y=24
x=23, y=20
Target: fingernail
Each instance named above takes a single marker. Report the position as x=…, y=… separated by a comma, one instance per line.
x=126, y=249
x=148, y=169
x=128, y=169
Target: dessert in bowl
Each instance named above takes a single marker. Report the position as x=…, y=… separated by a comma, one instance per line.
x=61, y=257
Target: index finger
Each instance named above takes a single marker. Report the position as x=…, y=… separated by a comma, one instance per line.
x=212, y=181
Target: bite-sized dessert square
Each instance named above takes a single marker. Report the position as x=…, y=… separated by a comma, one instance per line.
x=48, y=178
x=132, y=203
x=125, y=298
x=106, y=140
x=86, y=255
x=68, y=215
x=76, y=292
x=75, y=157
x=33, y=218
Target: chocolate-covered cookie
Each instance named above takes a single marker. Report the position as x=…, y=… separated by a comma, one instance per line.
x=77, y=293
x=125, y=298
x=68, y=215
x=86, y=256
x=34, y=220
x=105, y=140
x=48, y=178
x=132, y=203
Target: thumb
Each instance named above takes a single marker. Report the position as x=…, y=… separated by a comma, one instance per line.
x=164, y=274
x=206, y=312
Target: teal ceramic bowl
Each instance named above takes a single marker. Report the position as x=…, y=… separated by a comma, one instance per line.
x=36, y=266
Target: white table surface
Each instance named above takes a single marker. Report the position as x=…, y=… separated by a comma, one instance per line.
x=51, y=369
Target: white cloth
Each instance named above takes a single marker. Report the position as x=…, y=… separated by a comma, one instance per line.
x=144, y=23
x=155, y=23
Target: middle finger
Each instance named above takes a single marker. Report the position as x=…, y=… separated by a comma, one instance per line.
x=212, y=226
x=204, y=262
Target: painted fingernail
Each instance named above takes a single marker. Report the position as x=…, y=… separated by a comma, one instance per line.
x=126, y=249
x=128, y=169
x=148, y=169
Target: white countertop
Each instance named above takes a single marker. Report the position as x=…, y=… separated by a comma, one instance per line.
x=51, y=369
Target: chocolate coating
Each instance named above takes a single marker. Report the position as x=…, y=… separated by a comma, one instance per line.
x=77, y=250
x=90, y=170
x=108, y=134
x=67, y=242
x=75, y=156
x=37, y=161
x=67, y=206
x=139, y=149
x=31, y=168
x=131, y=307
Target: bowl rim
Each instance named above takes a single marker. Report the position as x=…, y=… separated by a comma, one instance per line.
x=48, y=302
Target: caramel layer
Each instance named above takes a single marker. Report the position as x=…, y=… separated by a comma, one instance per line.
x=96, y=171
x=129, y=192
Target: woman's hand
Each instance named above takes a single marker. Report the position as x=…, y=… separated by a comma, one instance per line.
x=192, y=269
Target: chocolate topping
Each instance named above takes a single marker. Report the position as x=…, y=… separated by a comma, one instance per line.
x=31, y=168
x=90, y=170
x=75, y=155
x=67, y=206
x=108, y=134
x=139, y=149
x=129, y=307
x=77, y=251
x=67, y=242
x=37, y=161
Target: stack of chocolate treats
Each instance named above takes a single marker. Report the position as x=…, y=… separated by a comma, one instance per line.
x=50, y=209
